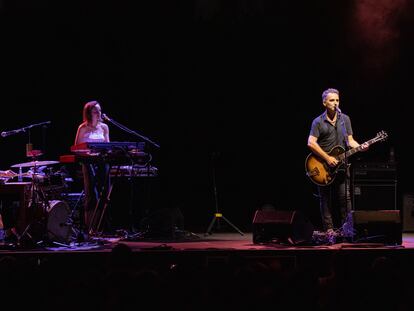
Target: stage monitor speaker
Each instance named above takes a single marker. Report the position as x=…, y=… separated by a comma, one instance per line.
x=408, y=212
x=374, y=196
x=163, y=223
x=286, y=227
x=382, y=226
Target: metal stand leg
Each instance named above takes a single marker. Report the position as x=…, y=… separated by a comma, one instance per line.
x=107, y=199
x=217, y=215
x=79, y=228
x=37, y=201
x=95, y=223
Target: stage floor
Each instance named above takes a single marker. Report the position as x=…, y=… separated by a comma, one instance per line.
x=227, y=242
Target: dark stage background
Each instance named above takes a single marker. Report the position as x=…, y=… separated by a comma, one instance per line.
x=232, y=85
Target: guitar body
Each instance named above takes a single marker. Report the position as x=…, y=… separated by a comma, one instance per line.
x=319, y=171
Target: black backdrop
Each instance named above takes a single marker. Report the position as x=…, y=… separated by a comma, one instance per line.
x=230, y=83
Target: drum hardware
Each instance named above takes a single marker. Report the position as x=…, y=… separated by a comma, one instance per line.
x=53, y=184
x=39, y=213
x=48, y=219
x=36, y=210
x=75, y=218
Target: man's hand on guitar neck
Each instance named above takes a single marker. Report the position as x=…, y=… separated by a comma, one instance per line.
x=364, y=146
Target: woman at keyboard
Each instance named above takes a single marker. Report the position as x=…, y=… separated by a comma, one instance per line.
x=92, y=129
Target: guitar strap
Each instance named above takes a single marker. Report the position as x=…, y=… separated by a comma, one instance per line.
x=344, y=131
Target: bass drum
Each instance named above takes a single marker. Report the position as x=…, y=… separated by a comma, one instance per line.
x=59, y=227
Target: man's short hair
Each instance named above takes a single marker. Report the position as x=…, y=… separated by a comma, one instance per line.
x=327, y=91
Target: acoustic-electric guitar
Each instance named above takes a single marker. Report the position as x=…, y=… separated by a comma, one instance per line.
x=321, y=173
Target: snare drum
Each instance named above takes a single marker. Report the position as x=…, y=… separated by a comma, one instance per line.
x=53, y=186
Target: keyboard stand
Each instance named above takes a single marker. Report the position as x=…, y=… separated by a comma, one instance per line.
x=95, y=225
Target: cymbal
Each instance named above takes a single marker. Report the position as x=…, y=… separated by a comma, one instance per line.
x=35, y=163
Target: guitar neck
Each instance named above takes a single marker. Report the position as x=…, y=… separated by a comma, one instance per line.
x=352, y=151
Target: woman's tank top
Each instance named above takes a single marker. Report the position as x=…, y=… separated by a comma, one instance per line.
x=96, y=135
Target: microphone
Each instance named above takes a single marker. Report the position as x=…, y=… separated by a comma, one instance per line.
x=337, y=109
x=105, y=117
x=8, y=133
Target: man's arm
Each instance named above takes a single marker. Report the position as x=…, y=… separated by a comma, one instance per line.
x=8, y=173
x=353, y=143
x=315, y=148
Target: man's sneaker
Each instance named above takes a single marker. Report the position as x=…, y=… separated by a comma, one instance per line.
x=331, y=236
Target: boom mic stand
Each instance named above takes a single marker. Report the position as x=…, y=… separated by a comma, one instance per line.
x=217, y=215
x=129, y=131
x=23, y=129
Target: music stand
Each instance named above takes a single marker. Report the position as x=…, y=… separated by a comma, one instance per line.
x=218, y=215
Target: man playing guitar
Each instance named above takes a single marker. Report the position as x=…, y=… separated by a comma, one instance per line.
x=332, y=129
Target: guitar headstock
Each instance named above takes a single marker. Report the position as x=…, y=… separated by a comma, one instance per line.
x=381, y=136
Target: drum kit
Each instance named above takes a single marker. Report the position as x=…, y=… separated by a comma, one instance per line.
x=46, y=218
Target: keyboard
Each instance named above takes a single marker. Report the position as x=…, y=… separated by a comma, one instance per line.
x=107, y=146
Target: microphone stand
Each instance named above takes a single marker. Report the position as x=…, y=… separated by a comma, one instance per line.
x=29, y=152
x=129, y=131
x=217, y=215
x=23, y=129
x=346, y=143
